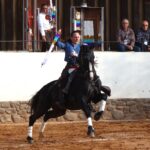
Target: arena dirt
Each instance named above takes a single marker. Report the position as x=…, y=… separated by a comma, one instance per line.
x=72, y=136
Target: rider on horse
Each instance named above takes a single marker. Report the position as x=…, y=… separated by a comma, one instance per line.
x=72, y=49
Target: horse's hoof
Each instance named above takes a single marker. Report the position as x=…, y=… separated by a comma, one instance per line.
x=91, y=132
x=92, y=135
x=98, y=115
x=41, y=135
x=30, y=140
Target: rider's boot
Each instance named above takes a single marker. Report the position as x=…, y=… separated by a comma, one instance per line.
x=66, y=89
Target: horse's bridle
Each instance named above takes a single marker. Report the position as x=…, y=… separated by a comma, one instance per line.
x=91, y=71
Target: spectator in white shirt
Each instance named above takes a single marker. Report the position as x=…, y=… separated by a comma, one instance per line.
x=45, y=27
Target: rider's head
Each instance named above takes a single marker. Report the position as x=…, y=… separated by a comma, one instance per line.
x=75, y=37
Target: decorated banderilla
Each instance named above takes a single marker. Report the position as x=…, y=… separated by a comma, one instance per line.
x=56, y=37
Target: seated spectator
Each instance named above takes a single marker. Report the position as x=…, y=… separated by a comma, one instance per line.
x=143, y=37
x=126, y=38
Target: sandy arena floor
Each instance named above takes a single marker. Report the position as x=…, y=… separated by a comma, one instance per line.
x=72, y=136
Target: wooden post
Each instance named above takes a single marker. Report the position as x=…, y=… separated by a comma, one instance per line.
x=59, y=14
x=35, y=26
x=140, y=11
x=3, y=44
x=23, y=28
x=130, y=11
x=118, y=14
x=102, y=28
x=96, y=3
x=14, y=24
x=137, y=8
x=107, y=22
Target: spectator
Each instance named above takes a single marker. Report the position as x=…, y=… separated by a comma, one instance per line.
x=30, y=34
x=143, y=37
x=126, y=38
x=45, y=27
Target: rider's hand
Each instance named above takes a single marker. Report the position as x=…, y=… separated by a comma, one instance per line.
x=74, y=54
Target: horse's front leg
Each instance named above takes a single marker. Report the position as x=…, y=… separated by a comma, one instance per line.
x=102, y=106
x=87, y=112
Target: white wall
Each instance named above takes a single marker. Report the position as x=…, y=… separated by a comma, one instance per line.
x=21, y=75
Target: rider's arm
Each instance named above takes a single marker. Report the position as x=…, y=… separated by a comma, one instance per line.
x=61, y=44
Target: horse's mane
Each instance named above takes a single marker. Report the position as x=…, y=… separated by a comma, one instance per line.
x=86, y=56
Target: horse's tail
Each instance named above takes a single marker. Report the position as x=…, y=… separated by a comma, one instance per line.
x=41, y=99
x=34, y=101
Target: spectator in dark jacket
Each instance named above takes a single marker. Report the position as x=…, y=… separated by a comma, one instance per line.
x=143, y=37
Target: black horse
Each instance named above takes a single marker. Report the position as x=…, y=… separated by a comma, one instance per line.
x=84, y=89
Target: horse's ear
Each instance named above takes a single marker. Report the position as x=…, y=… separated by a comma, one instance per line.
x=90, y=46
x=84, y=47
x=94, y=45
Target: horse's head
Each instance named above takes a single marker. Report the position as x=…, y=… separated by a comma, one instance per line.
x=86, y=55
x=86, y=60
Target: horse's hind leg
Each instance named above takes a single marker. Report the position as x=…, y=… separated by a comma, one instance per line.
x=41, y=131
x=32, y=120
x=54, y=114
x=50, y=114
